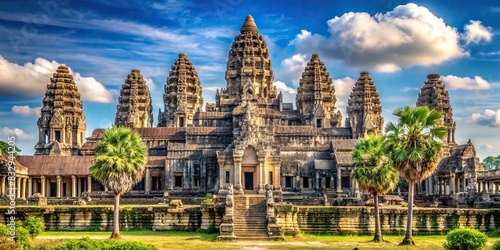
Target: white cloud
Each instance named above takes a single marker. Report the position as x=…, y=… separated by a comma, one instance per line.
x=456, y=82
x=343, y=88
x=16, y=132
x=150, y=83
x=31, y=79
x=409, y=89
x=26, y=111
x=475, y=32
x=293, y=68
x=288, y=93
x=489, y=118
x=488, y=146
x=407, y=36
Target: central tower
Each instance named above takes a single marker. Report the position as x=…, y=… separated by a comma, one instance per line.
x=248, y=70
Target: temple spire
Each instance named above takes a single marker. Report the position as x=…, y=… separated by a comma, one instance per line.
x=249, y=25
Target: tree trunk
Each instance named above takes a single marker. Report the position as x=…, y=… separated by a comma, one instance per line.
x=378, y=230
x=408, y=240
x=116, y=218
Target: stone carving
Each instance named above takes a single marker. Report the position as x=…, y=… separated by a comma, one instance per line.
x=269, y=201
x=61, y=106
x=134, y=104
x=182, y=82
x=364, y=109
x=316, y=96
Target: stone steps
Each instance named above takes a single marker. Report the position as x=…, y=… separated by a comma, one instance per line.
x=250, y=221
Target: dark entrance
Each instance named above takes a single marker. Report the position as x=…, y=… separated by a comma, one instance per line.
x=248, y=180
x=53, y=189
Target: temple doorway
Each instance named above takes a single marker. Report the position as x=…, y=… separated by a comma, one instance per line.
x=248, y=180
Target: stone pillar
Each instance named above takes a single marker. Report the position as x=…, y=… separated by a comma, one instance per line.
x=89, y=184
x=427, y=185
x=147, y=181
x=58, y=186
x=30, y=187
x=237, y=176
x=262, y=177
x=464, y=183
x=440, y=184
x=453, y=185
x=73, y=186
x=3, y=184
x=23, y=190
x=18, y=187
x=331, y=182
x=44, y=189
x=317, y=181
x=339, y=180
x=297, y=182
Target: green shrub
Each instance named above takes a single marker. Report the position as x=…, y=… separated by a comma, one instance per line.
x=87, y=243
x=34, y=225
x=23, y=237
x=4, y=230
x=6, y=243
x=496, y=245
x=209, y=199
x=404, y=204
x=465, y=239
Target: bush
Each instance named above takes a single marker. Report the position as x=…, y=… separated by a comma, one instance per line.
x=87, y=243
x=404, y=204
x=23, y=237
x=4, y=230
x=465, y=239
x=209, y=199
x=5, y=243
x=496, y=245
x=34, y=225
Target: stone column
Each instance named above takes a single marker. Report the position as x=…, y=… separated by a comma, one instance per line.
x=73, y=186
x=317, y=181
x=147, y=181
x=262, y=177
x=452, y=184
x=237, y=176
x=44, y=189
x=339, y=180
x=3, y=184
x=440, y=184
x=297, y=182
x=331, y=182
x=30, y=187
x=18, y=187
x=464, y=183
x=58, y=191
x=89, y=184
x=23, y=191
x=427, y=185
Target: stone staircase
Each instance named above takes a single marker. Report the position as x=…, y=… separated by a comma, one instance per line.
x=250, y=221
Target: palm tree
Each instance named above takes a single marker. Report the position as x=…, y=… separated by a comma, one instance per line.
x=415, y=147
x=119, y=164
x=374, y=172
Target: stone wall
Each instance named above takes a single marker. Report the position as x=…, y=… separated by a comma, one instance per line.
x=360, y=220
x=292, y=219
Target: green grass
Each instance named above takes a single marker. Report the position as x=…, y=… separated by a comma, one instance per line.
x=191, y=240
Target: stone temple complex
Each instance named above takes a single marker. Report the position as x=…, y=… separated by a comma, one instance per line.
x=248, y=142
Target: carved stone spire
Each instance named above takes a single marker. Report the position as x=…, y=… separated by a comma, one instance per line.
x=183, y=94
x=363, y=108
x=249, y=25
x=316, y=96
x=61, y=125
x=434, y=95
x=134, y=104
x=248, y=64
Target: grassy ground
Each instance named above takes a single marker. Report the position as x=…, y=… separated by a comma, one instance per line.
x=191, y=240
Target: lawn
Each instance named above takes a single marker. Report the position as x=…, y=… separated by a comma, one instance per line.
x=192, y=240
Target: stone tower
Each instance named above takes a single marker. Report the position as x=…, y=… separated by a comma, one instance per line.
x=316, y=96
x=434, y=95
x=61, y=125
x=249, y=73
x=183, y=95
x=134, y=104
x=364, y=109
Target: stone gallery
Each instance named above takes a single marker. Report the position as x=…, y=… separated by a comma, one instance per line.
x=249, y=142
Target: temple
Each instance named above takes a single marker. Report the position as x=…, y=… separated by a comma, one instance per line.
x=244, y=143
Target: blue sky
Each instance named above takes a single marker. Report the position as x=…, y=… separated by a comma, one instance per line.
x=398, y=42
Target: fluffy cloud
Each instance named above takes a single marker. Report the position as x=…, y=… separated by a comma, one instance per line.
x=288, y=93
x=343, y=88
x=488, y=146
x=489, y=118
x=456, y=82
x=475, y=32
x=407, y=36
x=26, y=111
x=16, y=132
x=31, y=79
x=293, y=68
